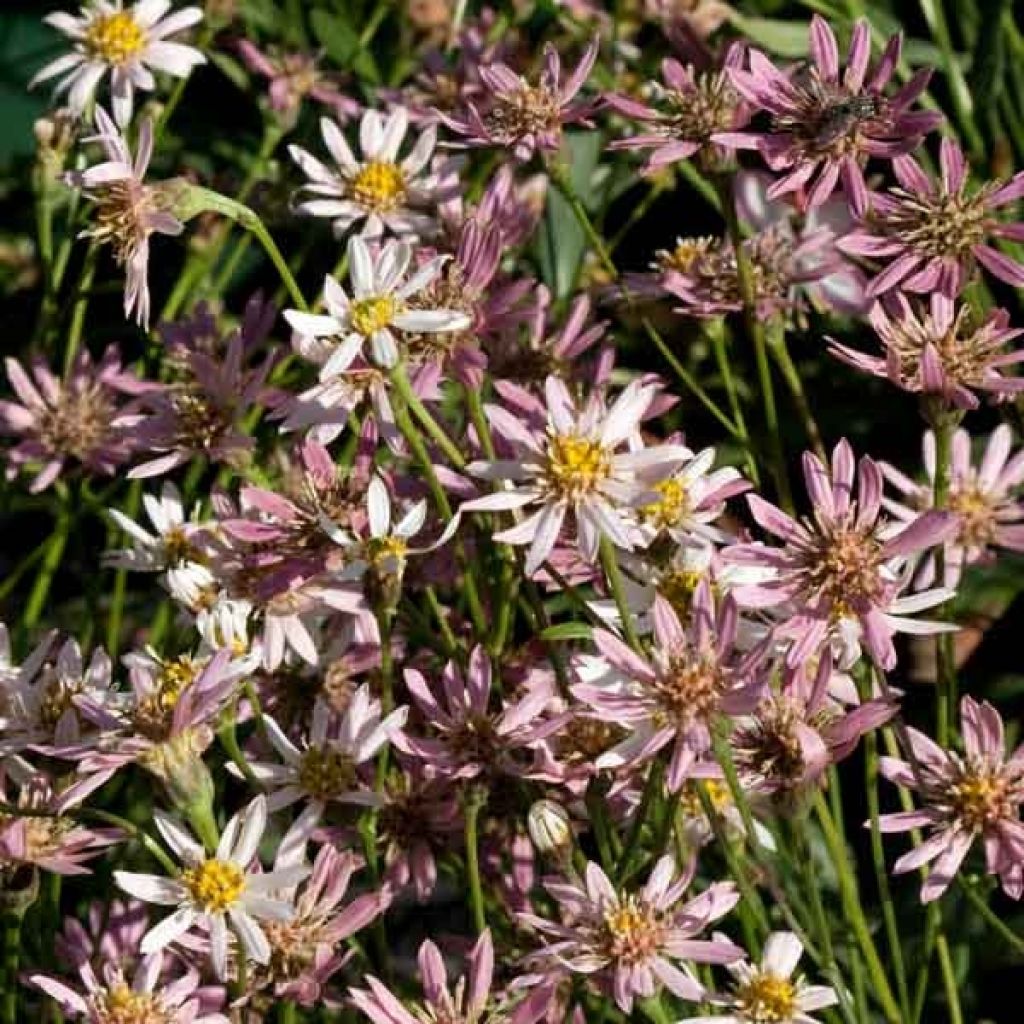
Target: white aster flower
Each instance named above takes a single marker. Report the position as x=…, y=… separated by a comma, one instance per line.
x=129, y=44
x=380, y=189
x=218, y=892
x=167, y=546
x=575, y=466
x=768, y=992
x=379, y=303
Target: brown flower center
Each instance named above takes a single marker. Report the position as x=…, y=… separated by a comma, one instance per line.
x=326, y=772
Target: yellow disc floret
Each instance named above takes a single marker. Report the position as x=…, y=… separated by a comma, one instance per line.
x=768, y=999
x=214, y=885
x=373, y=313
x=121, y=1004
x=576, y=465
x=379, y=186
x=114, y=38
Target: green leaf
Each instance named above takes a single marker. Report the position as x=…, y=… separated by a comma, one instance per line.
x=567, y=631
x=341, y=41
x=25, y=45
x=230, y=68
x=785, y=38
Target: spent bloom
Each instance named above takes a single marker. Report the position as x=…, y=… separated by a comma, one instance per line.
x=976, y=795
x=944, y=351
x=79, y=418
x=129, y=44
x=149, y=997
x=633, y=943
x=839, y=572
x=767, y=993
x=387, y=194
x=216, y=892
x=990, y=515
x=127, y=211
x=525, y=117
x=379, y=305
x=931, y=235
x=827, y=120
x=575, y=466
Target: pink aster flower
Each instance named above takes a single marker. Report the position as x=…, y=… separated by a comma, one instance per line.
x=965, y=797
x=675, y=695
x=944, y=352
x=990, y=515
x=150, y=997
x=129, y=44
x=932, y=235
x=575, y=467
x=326, y=768
x=469, y=1002
x=128, y=211
x=840, y=571
x=768, y=991
x=683, y=113
x=469, y=737
x=633, y=943
x=108, y=932
x=79, y=418
x=517, y=114
x=828, y=120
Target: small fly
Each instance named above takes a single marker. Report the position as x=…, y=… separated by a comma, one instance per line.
x=841, y=118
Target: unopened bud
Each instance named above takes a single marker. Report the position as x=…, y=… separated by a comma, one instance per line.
x=550, y=828
x=179, y=765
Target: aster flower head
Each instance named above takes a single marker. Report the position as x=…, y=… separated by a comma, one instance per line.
x=932, y=235
x=216, y=892
x=676, y=695
x=379, y=305
x=990, y=514
x=149, y=997
x=827, y=120
x=176, y=538
x=80, y=417
x=943, y=352
x=633, y=943
x=523, y=116
x=683, y=112
x=127, y=210
x=387, y=194
x=575, y=467
x=128, y=43
x=964, y=797
x=768, y=992
x=840, y=571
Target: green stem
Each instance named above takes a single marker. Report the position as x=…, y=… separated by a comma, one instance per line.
x=81, y=306
x=429, y=424
x=51, y=563
x=991, y=918
x=790, y=374
x=12, y=959
x=949, y=983
x=610, y=561
x=200, y=817
x=121, y=579
x=476, y=896
x=652, y=787
x=715, y=331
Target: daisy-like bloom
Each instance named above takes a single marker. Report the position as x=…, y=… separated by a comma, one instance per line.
x=388, y=194
x=690, y=501
x=931, y=235
x=150, y=997
x=380, y=302
x=128, y=44
x=519, y=115
x=827, y=120
x=703, y=272
x=985, y=499
x=127, y=210
x=944, y=352
x=575, y=466
x=469, y=1002
x=216, y=892
x=768, y=993
x=175, y=540
x=840, y=571
x=469, y=738
x=325, y=769
x=79, y=418
x=965, y=797
x=108, y=933
x=676, y=695
x=681, y=116
x=633, y=943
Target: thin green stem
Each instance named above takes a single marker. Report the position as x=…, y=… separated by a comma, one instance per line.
x=422, y=414
x=652, y=787
x=476, y=896
x=12, y=960
x=990, y=917
x=51, y=563
x=949, y=983
x=81, y=306
x=715, y=331
x=610, y=562
x=778, y=348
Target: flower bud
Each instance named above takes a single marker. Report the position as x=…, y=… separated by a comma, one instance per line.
x=550, y=828
x=179, y=765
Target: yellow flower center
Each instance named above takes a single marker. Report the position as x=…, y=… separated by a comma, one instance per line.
x=373, y=313
x=214, y=885
x=381, y=550
x=980, y=798
x=767, y=999
x=678, y=588
x=325, y=772
x=672, y=505
x=717, y=792
x=978, y=520
x=379, y=186
x=114, y=38
x=632, y=931
x=576, y=466
x=122, y=1005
